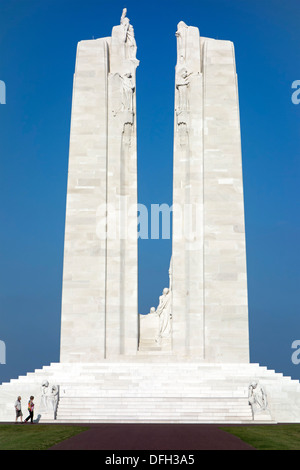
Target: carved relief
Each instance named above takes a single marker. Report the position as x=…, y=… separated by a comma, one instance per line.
x=122, y=78
x=257, y=399
x=182, y=88
x=182, y=78
x=122, y=93
x=49, y=399
x=181, y=34
x=128, y=38
x=164, y=311
x=128, y=88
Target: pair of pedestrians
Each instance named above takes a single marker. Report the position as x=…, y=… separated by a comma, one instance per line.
x=19, y=413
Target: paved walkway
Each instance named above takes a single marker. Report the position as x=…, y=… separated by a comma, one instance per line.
x=119, y=437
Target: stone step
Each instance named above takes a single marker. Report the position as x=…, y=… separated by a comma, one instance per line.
x=155, y=395
x=150, y=399
x=156, y=403
x=151, y=412
x=155, y=421
x=174, y=409
x=167, y=367
x=86, y=401
x=186, y=415
x=180, y=389
x=167, y=418
x=155, y=409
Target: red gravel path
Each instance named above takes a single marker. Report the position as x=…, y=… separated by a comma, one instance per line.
x=153, y=437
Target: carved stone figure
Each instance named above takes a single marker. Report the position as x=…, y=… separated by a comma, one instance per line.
x=164, y=313
x=181, y=42
x=128, y=38
x=128, y=89
x=182, y=83
x=49, y=399
x=123, y=17
x=53, y=398
x=45, y=386
x=257, y=398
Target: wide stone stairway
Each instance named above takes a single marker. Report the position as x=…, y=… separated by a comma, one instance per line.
x=153, y=393
x=161, y=390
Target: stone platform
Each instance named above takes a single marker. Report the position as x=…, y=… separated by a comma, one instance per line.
x=163, y=389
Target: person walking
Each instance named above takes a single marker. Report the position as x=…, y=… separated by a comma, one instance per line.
x=18, y=409
x=30, y=409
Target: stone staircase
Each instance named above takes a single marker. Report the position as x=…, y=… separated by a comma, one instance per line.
x=162, y=389
x=153, y=392
x=156, y=410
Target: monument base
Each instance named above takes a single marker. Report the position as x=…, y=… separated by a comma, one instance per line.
x=157, y=389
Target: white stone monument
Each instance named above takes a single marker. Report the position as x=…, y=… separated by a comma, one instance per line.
x=99, y=300
x=210, y=307
x=209, y=276
x=186, y=361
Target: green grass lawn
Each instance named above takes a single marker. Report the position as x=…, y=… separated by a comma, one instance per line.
x=35, y=436
x=42, y=436
x=269, y=437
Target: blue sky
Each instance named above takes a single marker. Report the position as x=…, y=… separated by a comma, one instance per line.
x=38, y=42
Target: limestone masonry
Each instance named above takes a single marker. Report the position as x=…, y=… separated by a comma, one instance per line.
x=188, y=359
x=99, y=299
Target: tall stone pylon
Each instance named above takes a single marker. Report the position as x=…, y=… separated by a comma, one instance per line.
x=99, y=299
x=209, y=275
